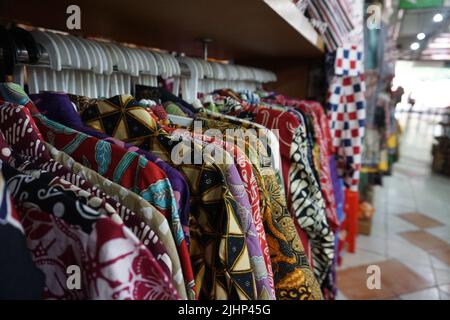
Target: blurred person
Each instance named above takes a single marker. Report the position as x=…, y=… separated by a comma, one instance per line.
x=411, y=102
x=397, y=95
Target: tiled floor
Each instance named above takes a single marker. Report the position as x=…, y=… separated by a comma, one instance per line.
x=410, y=238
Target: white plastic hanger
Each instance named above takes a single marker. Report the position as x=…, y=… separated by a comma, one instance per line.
x=59, y=78
x=173, y=63
x=176, y=64
x=169, y=64
x=162, y=68
x=89, y=78
x=103, y=80
x=118, y=80
x=133, y=63
x=85, y=57
x=153, y=70
x=201, y=74
x=150, y=58
x=189, y=86
x=87, y=64
x=97, y=66
x=76, y=64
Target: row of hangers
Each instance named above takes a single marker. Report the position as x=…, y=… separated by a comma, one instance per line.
x=207, y=76
x=98, y=68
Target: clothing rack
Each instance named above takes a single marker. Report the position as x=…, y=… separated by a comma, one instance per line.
x=177, y=210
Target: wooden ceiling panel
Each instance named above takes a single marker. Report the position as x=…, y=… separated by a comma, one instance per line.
x=240, y=29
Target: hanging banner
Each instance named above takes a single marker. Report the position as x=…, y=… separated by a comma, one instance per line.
x=418, y=4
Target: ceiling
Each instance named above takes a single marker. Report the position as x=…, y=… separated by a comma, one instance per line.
x=436, y=45
x=240, y=30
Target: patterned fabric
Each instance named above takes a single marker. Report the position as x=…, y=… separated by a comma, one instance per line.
x=159, y=112
x=322, y=139
x=349, y=61
x=233, y=179
x=214, y=222
x=264, y=143
x=120, y=165
x=14, y=93
x=338, y=188
x=30, y=152
x=64, y=203
x=309, y=208
x=51, y=104
x=334, y=14
x=250, y=185
x=126, y=168
x=285, y=123
x=10, y=115
x=227, y=104
x=293, y=276
x=346, y=103
x=75, y=234
x=148, y=225
x=94, y=202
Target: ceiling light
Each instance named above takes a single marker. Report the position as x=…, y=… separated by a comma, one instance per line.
x=438, y=17
x=414, y=46
x=439, y=45
x=441, y=40
x=440, y=57
x=421, y=36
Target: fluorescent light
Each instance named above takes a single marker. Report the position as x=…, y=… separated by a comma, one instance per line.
x=440, y=57
x=442, y=40
x=421, y=36
x=439, y=45
x=414, y=46
x=438, y=17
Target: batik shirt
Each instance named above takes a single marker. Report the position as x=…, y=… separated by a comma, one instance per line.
x=131, y=170
x=285, y=123
x=19, y=129
x=214, y=221
x=126, y=168
x=149, y=226
x=39, y=158
x=323, y=141
x=294, y=279
x=246, y=174
x=265, y=143
x=309, y=207
x=27, y=158
x=74, y=234
x=237, y=188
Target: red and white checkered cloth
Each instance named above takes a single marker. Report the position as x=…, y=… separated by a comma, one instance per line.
x=346, y=102
x=349, y=61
